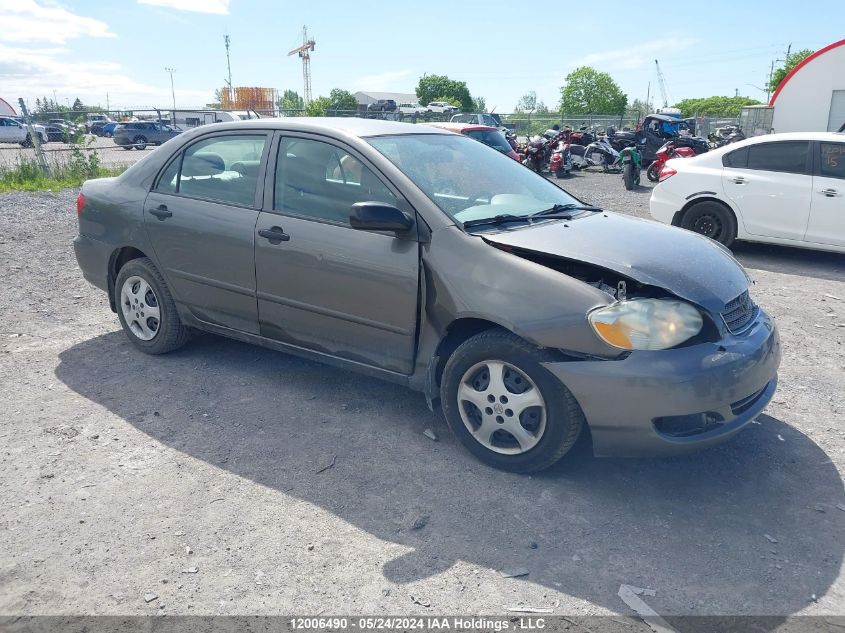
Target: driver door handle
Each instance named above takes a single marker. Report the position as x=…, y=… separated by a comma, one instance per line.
x=274, y=234
x=161, y=212
x=830, y=193
x=739, y=180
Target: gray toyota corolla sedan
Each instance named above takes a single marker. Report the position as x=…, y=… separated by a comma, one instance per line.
x=429, y=259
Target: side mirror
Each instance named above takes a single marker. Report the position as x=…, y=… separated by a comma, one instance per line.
x=379, y=216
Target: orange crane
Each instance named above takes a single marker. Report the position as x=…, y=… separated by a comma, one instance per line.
x=305, y=55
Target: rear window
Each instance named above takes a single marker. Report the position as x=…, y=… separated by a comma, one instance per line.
x=493, y=138
x=737, y=158
x=784, y=156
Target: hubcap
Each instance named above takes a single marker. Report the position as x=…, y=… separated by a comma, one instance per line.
x=140, y=308
x=501, y=407
x=708, y=225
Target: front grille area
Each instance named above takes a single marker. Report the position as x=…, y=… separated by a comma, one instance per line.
x=688, y=425
x=739, y=313
x=741, y=406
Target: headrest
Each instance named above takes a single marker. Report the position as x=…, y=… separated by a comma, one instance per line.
x=203, y=164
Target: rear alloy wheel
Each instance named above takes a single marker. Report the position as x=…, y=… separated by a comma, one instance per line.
x=146, y=309
x=711, y=219
x=140, y=142
x=507, y=409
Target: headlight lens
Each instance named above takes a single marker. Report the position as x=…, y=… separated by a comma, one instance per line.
x=646, y=323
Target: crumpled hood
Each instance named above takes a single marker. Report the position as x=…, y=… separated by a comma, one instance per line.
x=686, y=264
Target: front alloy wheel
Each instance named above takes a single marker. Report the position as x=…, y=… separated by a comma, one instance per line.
x=501, y=407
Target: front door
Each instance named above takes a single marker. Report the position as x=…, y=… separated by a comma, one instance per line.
x=200, y=218
x=323, y=285
x=770, y=184
x=827, y=213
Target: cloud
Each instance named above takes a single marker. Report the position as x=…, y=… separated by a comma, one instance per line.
x=37, y=73
x=389, y=80
x=28, y=21
x=219, y=7
x=633, y=57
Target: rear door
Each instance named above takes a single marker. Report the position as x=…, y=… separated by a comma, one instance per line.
x=200, y=218
x=771, y=184
x=827, y=212
x=324, y=285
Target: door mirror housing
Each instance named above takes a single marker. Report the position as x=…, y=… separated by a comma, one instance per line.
x=379, y=216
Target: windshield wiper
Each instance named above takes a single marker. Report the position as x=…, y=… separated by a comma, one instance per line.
x=497, y=219
x=562, y=210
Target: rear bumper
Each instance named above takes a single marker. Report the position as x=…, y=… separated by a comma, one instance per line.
x=664, y=204
x=93, y=259
x=674, y=401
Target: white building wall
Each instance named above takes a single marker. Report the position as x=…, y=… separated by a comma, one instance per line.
x=803, y=104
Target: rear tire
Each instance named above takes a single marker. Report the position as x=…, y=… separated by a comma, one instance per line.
x=146, y=309
x=532, y=419
x=711, y=219
x=653, y=172
x=140, y=142
x=628, y=176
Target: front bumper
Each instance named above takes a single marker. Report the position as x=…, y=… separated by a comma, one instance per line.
x=635, y=406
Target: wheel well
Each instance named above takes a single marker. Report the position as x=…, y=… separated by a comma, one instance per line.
x=458, y=331
x=117, y=261
x=678, y=218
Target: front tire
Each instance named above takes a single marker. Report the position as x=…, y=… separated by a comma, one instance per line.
x=711, y=219
x=140, y=142
x=146, y=309
x=504, y=407
x=653, y=172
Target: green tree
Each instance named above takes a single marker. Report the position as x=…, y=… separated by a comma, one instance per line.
x=77, y=105
x=479, y=104
x=588, y=91
x=431, y=87
x=792, y=60
x=290, y=102
x=527, y=102
x=714, y=106
x=342, y=100
x=450, y=100
x=637, y=109
x=318, y=106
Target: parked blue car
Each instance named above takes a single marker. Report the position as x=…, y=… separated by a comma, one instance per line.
x=108, y=129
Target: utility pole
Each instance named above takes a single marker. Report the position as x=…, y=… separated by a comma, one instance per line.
x=231, y=95
x=772, y=70
x=172, y=90
x=36, y=140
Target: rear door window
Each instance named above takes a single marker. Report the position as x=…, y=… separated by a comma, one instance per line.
x=832, y=160
x=222, y=168
x=738, y=158
x=783, y=156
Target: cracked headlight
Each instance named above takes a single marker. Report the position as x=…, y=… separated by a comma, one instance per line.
x=646, y=323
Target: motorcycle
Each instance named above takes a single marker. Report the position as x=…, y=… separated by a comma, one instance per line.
x=599, y=153
x=560, y=164
x=725, y=136
x=534, y=154
x=670, y=149
x=631, y=162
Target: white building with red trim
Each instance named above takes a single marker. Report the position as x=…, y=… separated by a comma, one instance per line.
x=811, y=98
x=6, y=109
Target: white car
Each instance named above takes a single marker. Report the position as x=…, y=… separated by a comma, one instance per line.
x=778, y=188
x=412, y=109
x=441, y=107
x=13, y=131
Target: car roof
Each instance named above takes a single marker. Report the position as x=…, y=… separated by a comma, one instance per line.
x=462, y=127
x=794, y=136
x=350, y=126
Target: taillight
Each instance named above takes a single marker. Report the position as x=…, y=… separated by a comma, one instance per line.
x=666, y=172
x=80, y=204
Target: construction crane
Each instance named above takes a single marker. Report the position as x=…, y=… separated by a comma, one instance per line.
x=662, y=85
x=305, y=55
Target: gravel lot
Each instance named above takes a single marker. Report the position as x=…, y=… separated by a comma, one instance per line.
x=110, y=154
x=203, y=477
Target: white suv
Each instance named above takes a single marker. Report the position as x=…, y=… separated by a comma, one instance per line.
x=777, y=188
x=13, y=131
x=413, y=108
x=441, y=107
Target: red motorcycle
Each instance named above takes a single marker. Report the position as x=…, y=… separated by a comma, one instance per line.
x=670, y=149
x=560, y=164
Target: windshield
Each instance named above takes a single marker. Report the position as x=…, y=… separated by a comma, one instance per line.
x=468, y=180
x=493, y=138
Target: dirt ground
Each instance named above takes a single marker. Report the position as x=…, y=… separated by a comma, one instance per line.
x=228, y=479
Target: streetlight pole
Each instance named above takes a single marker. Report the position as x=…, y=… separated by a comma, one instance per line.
x=172, y=90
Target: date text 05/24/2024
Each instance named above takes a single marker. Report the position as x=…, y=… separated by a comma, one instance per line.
x=406, y=623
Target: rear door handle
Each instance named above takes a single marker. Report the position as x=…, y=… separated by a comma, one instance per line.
x=739, y=180
x=161, y=212
x=275, y=234
x=830, y=193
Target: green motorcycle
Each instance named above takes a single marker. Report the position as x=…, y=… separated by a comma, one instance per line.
x=631, y=162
